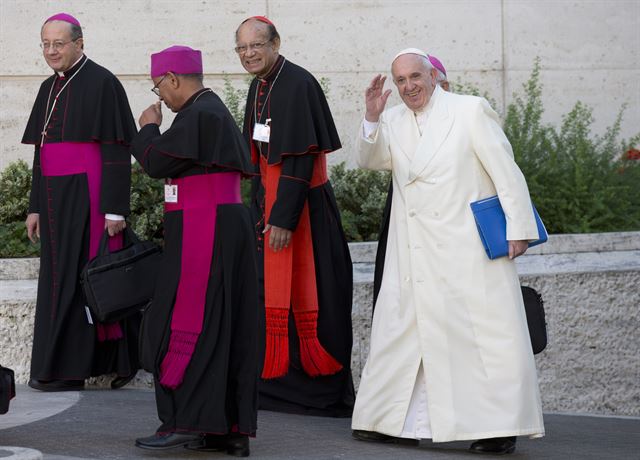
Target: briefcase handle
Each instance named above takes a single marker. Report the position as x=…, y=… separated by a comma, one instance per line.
x=128, y=238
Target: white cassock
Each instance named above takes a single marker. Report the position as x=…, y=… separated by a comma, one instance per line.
x=450, y=356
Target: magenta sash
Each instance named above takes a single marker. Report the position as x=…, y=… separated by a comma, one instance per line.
x=69, y=158
x=198, y=199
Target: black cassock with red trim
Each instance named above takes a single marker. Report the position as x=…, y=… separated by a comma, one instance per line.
x=302, y=132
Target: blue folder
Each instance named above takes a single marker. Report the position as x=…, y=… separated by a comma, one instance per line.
x=492, y=227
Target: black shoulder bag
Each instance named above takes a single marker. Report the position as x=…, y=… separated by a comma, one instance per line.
x=7, y=389
x=534, y=308
x=120, y=283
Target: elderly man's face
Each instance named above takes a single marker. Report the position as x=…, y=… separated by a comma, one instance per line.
x=58, y=49
x=414, y=80
x=256, y=52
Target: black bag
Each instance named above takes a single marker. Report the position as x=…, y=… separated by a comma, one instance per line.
x=534, y=308
x=120, y=283
x=7, y=389
x=151, y=336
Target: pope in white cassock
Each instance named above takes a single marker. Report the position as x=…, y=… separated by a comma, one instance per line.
x=450, y=355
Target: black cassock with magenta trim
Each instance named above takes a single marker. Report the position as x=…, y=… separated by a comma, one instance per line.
x=81, y=171
x=200, y=332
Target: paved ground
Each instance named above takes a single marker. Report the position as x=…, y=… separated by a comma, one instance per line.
x=102, y=424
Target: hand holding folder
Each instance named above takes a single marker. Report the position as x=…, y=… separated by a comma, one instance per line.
x=492, y=227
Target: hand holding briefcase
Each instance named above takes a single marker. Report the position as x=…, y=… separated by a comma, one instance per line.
x=118, y=284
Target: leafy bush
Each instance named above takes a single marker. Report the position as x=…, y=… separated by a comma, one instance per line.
x=147, y=198
x=361, y=195
x=235, y=99
x=580, y=183
x=14, y=241
x=15, y=185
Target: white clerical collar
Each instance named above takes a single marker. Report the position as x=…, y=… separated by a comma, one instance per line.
x=61, y=74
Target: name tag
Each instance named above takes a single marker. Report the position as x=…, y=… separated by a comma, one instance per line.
x=170, y=193
x=262, y=132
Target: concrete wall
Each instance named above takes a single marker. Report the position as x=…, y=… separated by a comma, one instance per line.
x=590, y=50
x=589, y=284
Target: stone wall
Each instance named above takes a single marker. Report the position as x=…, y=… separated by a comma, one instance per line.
x=591, y=288
x=590, y=51
x=589, y=284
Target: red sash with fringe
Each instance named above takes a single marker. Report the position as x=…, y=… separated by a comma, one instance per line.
x=290, y=282
x=198, y=198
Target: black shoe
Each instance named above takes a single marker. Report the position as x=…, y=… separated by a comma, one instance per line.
x=56, y=385
x=238, y=445
x=119, y=382
x=494, y=446
x=209, y=443
x=161, y=441
x=374, y=436
x=234, y=444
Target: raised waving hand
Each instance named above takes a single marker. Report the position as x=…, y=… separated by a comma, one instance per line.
x=376, y=98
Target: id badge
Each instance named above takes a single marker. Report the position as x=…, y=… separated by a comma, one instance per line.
x=170, y=193
x=262, y=132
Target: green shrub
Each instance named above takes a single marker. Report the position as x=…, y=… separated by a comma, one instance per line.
x=14, y=241
x=235, y=98
x=361, y=196
x=15, y=186
x=579, y=182
x=147, y=205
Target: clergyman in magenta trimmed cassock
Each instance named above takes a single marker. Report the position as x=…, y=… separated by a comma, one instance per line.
x=200, y=332
x=81, y=126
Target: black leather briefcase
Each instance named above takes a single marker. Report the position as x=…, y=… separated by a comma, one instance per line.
x=534, y=308
x=121, y=283
x=7, y=388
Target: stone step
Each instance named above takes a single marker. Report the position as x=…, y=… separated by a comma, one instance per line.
x=591, y=301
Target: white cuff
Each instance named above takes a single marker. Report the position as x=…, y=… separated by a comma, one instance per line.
x=369, y=128
x=113, y=217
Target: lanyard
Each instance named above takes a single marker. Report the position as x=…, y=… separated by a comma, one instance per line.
x=55, y=100
x=255, y=99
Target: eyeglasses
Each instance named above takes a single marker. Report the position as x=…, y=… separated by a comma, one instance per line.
x=55, y=46
x=156, y=89
x=251, y=46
